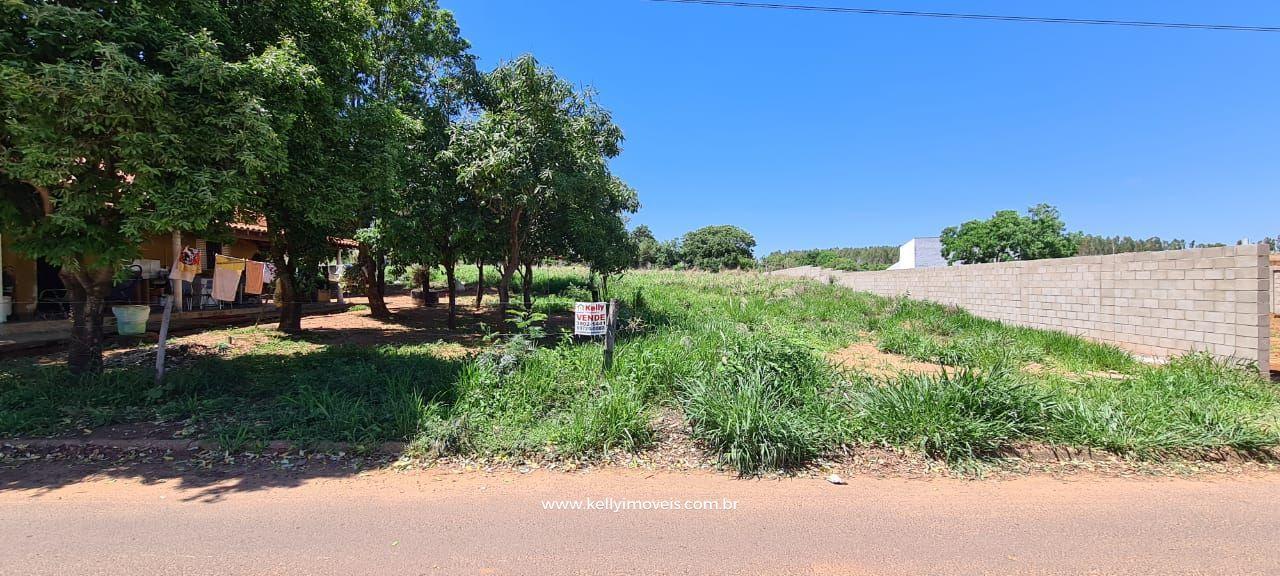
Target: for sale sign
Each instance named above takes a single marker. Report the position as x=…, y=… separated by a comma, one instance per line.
x=590, y=318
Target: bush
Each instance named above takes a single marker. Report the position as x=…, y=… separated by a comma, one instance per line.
x=615, y=417
x=955, y=417
x=352, y=280
x=765, y=406
x=1193, y=403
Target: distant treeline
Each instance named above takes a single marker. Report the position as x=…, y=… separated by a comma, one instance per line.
x=850, y=259
x=882, y=257
x=1091, y=245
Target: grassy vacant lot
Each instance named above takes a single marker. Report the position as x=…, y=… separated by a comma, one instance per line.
x=743, y=357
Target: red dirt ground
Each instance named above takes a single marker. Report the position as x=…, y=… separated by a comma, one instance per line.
x=1275, y=348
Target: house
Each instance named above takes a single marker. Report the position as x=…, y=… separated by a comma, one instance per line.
x=1275, y=287
x=35, y=291
x=920, y=253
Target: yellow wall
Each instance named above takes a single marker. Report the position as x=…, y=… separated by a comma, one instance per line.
x=24, y=285
x=159, y=247
x=241, y=249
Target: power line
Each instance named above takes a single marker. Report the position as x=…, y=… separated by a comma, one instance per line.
x=961, y=16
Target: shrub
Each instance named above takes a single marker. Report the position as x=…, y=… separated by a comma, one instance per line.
x=438, y=434
x=764, y=406
x=615, y=417
x=1193, y=403
x=749, y=421
x=955, y=417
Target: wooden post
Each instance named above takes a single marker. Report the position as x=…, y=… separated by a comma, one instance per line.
x=340, y=298
x=611, y=311
x=177, y=253
x=164, y=337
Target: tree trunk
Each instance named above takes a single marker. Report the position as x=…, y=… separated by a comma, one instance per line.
x=369, y=265
x=528, y=287
x=604, y=286
x=508, y=271
x=382, y=276
x=88, y=292
x=479, y=284
x=452, y=287
x=290, y=307
x=595, y=289
x=512, y=262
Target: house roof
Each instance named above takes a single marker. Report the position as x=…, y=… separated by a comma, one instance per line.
x=257, y=230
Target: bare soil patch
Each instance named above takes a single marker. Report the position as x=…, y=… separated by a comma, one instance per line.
x=1275, y=348
x=410, y=323
x=866, y=357
x=1036, y=369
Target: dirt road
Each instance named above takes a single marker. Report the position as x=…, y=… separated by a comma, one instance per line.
x=439, y=522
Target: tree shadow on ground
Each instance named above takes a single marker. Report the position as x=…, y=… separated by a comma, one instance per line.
x=263, y=418
x=201, y=475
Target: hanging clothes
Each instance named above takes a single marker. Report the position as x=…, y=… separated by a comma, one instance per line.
x=186, y=265
x=254, y=274
x=226, y=277
x=269, y=274
x=202, y=248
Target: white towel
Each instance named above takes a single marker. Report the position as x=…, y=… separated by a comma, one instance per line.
x=225, y=283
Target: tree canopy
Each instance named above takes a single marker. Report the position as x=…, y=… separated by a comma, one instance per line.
x=362, y=119
x=848, y=259
x=718, y=248
x=535, y=148
x=1010, y=236
x=124, y=121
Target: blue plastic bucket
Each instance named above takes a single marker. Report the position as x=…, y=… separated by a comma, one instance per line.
x=131, y=320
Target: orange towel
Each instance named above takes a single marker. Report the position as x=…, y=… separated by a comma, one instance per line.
x=253, y=277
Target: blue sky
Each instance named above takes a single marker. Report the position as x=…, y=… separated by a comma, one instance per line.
x=819, y=130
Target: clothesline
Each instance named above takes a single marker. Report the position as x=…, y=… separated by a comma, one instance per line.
x=226, y=273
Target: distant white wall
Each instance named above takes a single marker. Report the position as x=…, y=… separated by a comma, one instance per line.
x=929, y=253
x=906, y=256
x=920, y=253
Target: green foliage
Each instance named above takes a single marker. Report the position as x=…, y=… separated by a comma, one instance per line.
x=535, y=160
x=847, y=259
x=718, y=248
x=1091, y=245
x=953, y=416
x=1009, y=236
x=124, y=122
x=740, y=354
x=1192, y=404
x=767, y=405
x=615, y=417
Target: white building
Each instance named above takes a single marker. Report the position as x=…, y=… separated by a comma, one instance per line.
x=920, y=253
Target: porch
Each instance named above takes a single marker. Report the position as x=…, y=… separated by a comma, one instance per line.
x=31, y=334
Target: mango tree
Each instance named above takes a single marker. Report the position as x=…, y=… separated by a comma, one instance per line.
x=121, y=122
x=536, y=136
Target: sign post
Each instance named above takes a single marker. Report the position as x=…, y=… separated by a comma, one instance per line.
x=608, y=337
x=596, y=319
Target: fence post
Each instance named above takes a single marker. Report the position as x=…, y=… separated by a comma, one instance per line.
x=164, y=336
x=612, y=313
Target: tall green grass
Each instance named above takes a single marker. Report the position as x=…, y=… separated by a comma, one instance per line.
x=953, y=416
x=740, y=354
x=769, y=403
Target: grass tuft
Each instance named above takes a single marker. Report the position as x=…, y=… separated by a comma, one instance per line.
x=955, y=417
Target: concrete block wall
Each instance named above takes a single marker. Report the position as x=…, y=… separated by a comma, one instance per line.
x=1153, y=304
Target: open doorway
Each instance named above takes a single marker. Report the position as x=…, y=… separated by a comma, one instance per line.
x=52, y=301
